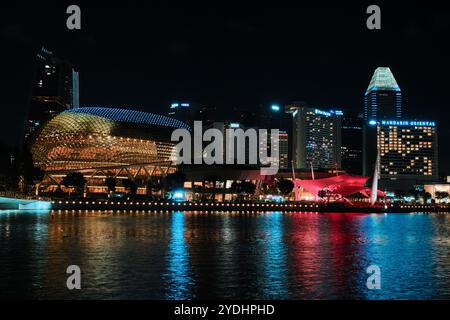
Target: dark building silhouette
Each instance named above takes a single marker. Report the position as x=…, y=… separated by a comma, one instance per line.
x=55, y=89
x=182, y=111
x=352, y=143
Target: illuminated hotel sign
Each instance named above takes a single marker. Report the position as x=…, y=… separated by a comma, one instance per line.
x=323, y=113
x=337, y=112
x=328, y=113
x=176, y=105
x=408, y=123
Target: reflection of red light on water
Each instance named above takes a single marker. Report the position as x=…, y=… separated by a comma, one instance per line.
x=326, y=250
x=306, y=255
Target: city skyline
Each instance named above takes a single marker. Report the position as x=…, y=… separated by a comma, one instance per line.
x=219, y=152
x=183, y=62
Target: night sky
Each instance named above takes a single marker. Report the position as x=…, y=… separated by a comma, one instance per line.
x=228, y=55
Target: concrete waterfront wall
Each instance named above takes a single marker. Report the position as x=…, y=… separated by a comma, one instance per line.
x=242, y=207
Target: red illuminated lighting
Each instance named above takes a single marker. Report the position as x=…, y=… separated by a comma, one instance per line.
x=343, y=185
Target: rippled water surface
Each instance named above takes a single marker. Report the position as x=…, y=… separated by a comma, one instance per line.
x=224, y=255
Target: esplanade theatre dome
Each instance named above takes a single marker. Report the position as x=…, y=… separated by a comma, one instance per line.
x=89, y=138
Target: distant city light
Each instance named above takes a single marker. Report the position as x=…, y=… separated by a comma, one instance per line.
x=176, y=105
x=275, y=107
x=372, y=122
x=234, y=125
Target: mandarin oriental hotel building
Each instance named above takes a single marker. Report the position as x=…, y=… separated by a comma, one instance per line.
x=408, y=152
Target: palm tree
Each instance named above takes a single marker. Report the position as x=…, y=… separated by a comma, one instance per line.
x=111, y=183
x=440, y=195
x=248, y=188
x=174, y=181
x=285, y=186
x=74, y=180
x=130, y=185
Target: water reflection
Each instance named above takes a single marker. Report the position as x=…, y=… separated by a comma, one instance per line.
x=187, y=255
x=177, y=277
x=273, y=282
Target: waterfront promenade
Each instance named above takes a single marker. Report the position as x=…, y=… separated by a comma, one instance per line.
x=165, y=205
x=15, y=201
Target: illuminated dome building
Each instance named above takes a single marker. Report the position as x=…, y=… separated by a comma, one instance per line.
x=102, y=142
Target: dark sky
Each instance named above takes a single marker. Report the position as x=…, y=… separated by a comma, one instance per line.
x=144, y=56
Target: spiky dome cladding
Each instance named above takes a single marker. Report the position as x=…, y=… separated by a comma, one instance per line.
x=103, y=137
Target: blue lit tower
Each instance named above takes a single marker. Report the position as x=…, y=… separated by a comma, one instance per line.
x=383, y=98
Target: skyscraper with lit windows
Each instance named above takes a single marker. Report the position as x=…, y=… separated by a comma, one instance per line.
x=408, y=152
x=55, y=89
x=284, y=150
x=316, y=137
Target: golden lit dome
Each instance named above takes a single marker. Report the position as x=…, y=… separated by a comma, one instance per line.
x=103, y=137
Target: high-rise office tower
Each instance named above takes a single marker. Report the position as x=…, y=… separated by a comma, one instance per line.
x=316, y=137
x=55, y=89
x=408, y=152
x=271, y=116
x=383, y=98
x=284, y=150
x=352, y=143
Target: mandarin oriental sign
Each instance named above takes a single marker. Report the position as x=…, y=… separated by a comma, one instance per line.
x=408, y=123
